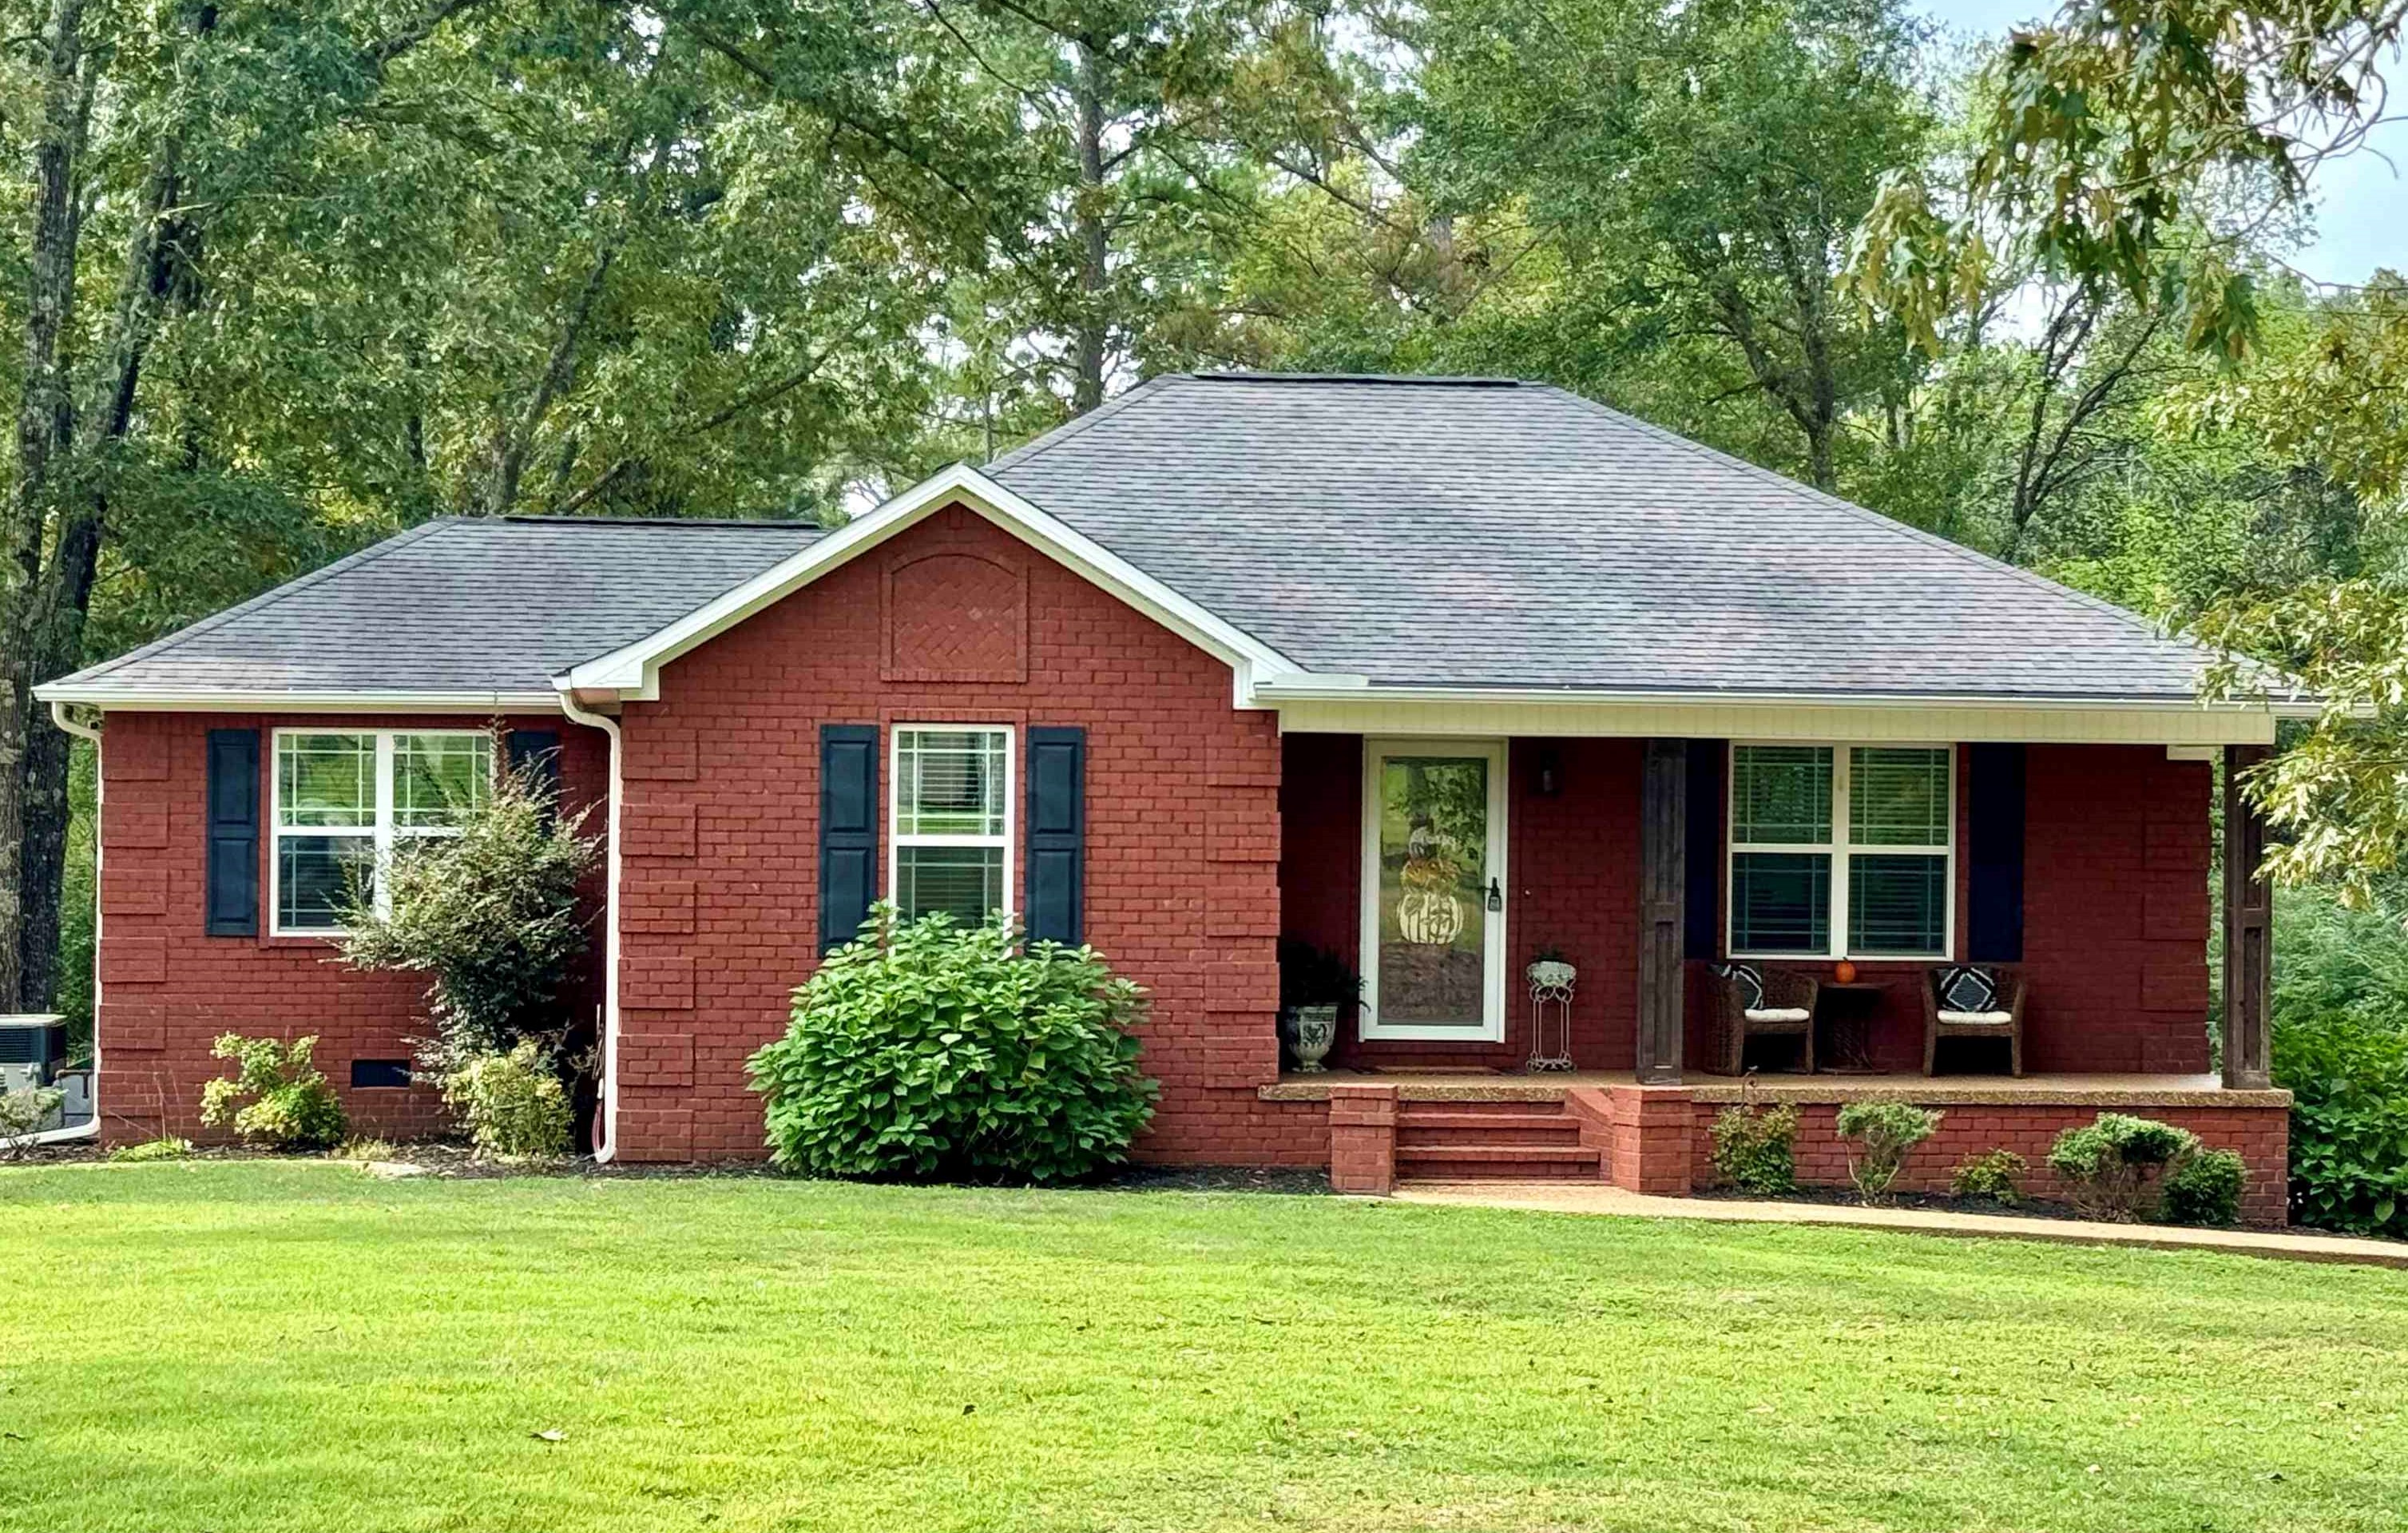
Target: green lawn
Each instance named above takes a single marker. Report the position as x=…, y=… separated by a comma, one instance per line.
x=238, y=1346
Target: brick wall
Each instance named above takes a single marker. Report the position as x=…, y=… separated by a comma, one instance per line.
x=952, y=622
x=169, y=989
x=1571, y=873
x=2261, y=1135
x=2117, y=845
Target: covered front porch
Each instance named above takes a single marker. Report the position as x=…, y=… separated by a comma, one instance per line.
x=1441, y=868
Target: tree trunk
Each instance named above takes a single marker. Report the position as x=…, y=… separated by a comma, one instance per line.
x=45, y=422
x=1093, y=328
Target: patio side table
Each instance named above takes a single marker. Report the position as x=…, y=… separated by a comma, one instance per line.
x=1845, y=1013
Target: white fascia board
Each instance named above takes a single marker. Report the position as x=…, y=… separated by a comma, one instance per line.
x=1718, y=716
x=122, y=700
x=1301, y=687
x=633, y=672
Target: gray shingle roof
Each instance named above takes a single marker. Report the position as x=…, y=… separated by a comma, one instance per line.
x=1482, y=533
x=1421, y=531
x=465, y=605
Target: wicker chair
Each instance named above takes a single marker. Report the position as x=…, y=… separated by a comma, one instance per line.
x=2003, y=1022
x=1787, y=1012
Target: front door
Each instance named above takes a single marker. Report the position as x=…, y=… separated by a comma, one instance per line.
x=1433, y=890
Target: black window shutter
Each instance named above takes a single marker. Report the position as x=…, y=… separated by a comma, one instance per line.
x=1057, y=834
x=1701, y=929
x=1994, y=855
x=848, y=830
x=232, y=899
x=537, y=753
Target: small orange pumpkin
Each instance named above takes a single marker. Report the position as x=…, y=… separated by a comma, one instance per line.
x=1844, y=972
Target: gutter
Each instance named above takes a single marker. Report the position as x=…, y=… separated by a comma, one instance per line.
x=607, y=1117
x=99, y=786
x=1326, y=687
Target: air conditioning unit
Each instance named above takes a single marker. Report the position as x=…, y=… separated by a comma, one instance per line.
x=38, y=1043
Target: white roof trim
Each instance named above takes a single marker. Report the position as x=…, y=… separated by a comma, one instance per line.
x=129, y=699
x=1300, y=686
x=633, y=670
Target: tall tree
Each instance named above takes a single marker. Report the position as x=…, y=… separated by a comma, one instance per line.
x=1706, y=162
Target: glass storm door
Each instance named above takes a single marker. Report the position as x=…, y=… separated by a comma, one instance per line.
x=1433, y=890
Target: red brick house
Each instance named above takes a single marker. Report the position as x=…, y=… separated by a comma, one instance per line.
x=1436, y=674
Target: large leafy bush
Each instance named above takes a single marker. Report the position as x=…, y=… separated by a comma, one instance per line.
x=491, y=916
x=277, y=1096
x=2340, y=1046
x=929, y=1049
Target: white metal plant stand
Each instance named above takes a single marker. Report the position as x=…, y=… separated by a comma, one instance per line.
x=1550, y=1014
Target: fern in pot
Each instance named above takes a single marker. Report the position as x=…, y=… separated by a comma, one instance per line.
x=1315, y=984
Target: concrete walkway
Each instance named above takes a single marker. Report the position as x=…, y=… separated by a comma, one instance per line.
x=1595, y=1197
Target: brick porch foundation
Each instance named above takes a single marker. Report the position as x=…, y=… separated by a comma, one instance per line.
x=1659, y=1140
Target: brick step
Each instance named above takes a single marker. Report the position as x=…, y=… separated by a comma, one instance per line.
x=1441, y=1129
x=1410, y=1108
x=1465, y=1161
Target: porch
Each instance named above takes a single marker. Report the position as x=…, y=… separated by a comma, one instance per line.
x=1441, y=868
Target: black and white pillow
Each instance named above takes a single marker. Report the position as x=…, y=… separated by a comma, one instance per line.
x=1965, y=988
x=1750, y=983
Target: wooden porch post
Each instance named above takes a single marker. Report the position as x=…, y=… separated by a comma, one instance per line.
x=1663, y=886
x=2248, y=929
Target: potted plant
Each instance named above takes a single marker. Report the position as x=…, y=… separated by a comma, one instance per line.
x=1314, y=983
x=1549, y=970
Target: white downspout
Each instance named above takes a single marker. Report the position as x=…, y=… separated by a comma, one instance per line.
x=99, y=786
x=607, y=1118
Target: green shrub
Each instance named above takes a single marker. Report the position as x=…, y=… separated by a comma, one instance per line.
x=23, y=1114
x=290, y=1106
x=2205, y=1189
x=513, y=1103
x=929, y=1050
x=491, y=916
x=166, y=1147
x=2113, y=1165
x=2340, y=1046
x=1886, y=1132
x=1994, y=1174
x=1756, y=1149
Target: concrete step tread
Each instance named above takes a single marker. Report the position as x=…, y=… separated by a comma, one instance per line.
x=1409, y=1118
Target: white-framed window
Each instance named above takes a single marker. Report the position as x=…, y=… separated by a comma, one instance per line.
x=344, y=798
x=949, y=831
x=1843, y=850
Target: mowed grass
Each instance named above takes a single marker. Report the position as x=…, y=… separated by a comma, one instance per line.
x=240, y=1346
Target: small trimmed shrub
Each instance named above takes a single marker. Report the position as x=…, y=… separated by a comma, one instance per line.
x=1756, y=1149
x=513, y=1103
x=2206, y=1188
x=1885, y=1131
x=277, y=1098
x=1994, y=1174
x=22, y=1113
x=929, y=1049
x=166, y=1147
x=2113, y=1165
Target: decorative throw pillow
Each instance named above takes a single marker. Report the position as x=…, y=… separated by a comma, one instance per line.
x=1750, y=983
x=1965, y=988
